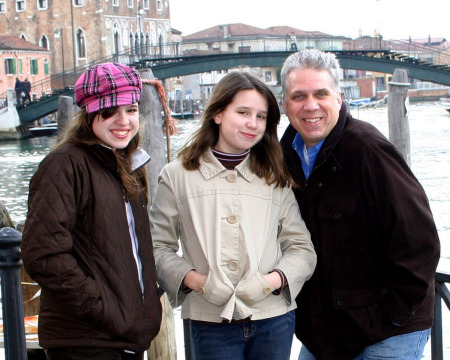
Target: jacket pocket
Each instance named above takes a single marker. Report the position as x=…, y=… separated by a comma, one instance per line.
x=359, y=313
x=216, y=292
x=253, y=289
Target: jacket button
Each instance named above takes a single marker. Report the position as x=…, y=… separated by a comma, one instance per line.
x=232, y=219
x=319, y=185
x=231, y=178
x=267, y=290
x=334, y=168
x=233, y=265
x=337, y=215
x=339, y=303
x=384, y=291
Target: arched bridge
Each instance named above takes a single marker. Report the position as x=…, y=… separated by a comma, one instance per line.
x=379, y=61
x=175, y=59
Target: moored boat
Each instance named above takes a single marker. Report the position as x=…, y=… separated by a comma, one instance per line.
x=445, y=103
x=44, y=130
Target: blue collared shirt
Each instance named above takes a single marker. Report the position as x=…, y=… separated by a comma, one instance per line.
x=307, y=156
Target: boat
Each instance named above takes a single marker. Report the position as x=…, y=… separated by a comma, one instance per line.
x=358, y=102
x=368, y=102
x=180, y=116
x=445, y=103
x=44, y=130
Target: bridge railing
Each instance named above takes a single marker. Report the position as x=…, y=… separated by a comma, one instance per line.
x=171, y=51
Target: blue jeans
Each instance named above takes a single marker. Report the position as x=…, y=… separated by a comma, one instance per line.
x=267, y=339
x=408, y=346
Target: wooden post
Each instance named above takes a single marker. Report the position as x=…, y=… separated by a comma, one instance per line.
x=398, y=106
x=152, y=140
x=65, y=113
x=5, y=219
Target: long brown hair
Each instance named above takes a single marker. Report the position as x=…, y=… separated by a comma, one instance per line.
x=266, y=157
x=79, y=132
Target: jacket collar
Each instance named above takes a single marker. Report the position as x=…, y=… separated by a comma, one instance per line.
x=139, y=158
x=336, y=133
x=106, y=156
x=210, y=167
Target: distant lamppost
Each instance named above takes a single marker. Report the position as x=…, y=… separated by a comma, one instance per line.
x=59, y=35
x=140, y=36
x=379, y=22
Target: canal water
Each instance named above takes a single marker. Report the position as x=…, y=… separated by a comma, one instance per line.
x=430, y=162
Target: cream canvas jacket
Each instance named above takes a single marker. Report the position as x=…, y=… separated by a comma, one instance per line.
x=234, y=228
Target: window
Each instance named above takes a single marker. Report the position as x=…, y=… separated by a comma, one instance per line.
x=2, y=7
x=115, y=2
x=130, y=3
x=46, y=69
x=10, y=66
x=43, y=42
x=34, y=66
x=20, y=67
x=268, y=76
x=146, y=4
x=159, y=5
x=42, y=4
x=21, y=5
x=77, y=2
x=81, y=44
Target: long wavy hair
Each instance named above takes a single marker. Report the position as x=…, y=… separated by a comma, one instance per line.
x=266, y=157
x=79, y=132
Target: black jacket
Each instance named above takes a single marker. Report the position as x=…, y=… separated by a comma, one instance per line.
x=376, y=243
x=77, y=246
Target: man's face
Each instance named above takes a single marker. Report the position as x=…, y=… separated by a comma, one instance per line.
x=311, y=104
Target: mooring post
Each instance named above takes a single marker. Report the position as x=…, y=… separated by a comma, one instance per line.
x=152, y=139
x=398, y=106
x=12, y=300
x=66, y=110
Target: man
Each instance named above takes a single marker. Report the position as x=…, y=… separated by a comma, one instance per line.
x=377, y=246
x=27, y=90
x=18, y=88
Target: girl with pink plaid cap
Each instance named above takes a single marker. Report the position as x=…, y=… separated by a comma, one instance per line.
x=87, y=238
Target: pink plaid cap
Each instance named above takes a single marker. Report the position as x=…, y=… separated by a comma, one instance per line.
x=107, y=85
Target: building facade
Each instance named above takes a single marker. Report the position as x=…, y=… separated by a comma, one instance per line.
x=232, y=38
x=79, y=32
x=20, y=59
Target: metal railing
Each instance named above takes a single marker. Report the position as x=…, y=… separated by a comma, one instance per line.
x=154, y=54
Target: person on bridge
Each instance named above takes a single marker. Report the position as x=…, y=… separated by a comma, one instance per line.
x=19, y=90
x=26, y=90
x=87, y=239
x=372, y=293
x=246, y=252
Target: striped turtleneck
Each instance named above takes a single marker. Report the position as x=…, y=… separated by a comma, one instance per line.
x=229, y=161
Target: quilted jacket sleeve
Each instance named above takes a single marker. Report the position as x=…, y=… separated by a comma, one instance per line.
x=53, y=207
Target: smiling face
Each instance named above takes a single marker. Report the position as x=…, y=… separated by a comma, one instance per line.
x=311, y=104
x=117, y=130
x=242, y=123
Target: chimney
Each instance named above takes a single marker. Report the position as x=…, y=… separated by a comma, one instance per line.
x=225, y=31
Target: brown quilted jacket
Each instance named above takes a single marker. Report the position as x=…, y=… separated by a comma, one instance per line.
x=77, y=246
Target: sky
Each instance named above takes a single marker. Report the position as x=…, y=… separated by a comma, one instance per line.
x=393, y=19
